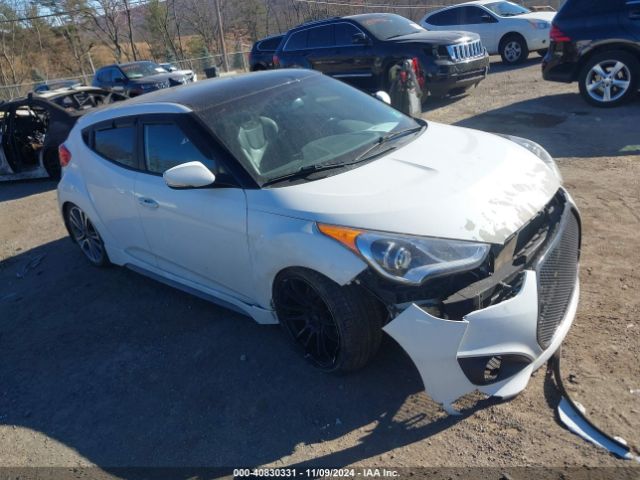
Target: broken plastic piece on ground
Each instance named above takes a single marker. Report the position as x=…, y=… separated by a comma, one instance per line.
x=576, y=423
x=573, y=415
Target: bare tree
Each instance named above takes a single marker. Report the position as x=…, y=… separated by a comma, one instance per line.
x=106, y=22
x=132, y=43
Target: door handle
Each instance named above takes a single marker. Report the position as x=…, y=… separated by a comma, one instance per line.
x=147, y=202
x=634, y=14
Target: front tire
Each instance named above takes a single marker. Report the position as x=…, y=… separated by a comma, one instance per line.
x=609, y=79
x=513, y=50
x=337, y=328
x=86, y=236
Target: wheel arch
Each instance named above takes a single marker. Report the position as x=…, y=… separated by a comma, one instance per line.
x=511, y=33
x=630, y=48
x=63, y=209
x=278, y=243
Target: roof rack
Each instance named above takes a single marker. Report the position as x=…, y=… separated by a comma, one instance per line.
x=313, y=22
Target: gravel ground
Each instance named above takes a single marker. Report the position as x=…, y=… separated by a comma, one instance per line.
x=108, y=368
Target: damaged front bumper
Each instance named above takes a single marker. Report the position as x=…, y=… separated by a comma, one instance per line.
x=440, y=348
x=495, y=350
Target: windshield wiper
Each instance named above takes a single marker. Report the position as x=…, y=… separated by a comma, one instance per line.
x=402, y=35
x=304, y=172
x=385, y=139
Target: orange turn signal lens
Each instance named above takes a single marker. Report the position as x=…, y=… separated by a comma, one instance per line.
x=344, y=235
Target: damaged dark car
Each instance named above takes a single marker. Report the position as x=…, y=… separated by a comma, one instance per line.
x=32, y=128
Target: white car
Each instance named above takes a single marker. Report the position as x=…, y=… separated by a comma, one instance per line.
x=190, y=75
x=505, y=28
x=295, y=198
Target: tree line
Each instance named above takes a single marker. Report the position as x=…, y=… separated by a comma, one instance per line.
x=46, y=39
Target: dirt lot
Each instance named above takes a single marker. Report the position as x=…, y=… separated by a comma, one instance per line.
x=108, y=368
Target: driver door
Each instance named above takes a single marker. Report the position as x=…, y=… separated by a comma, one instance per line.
x=354, y=61
x=480, y=21
x=197, y=235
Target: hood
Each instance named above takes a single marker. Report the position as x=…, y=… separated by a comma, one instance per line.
x=547, y=16
x=158, y=78
x=450, y=182
x=446, y=37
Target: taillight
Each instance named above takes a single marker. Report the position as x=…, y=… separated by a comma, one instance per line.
x=558, y=35
x=276, y=61
x=64, y=155
x=415, y=63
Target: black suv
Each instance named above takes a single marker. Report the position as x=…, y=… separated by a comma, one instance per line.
x=363, y=49
x=261, y=56
x=597, y=44
x=136, y=78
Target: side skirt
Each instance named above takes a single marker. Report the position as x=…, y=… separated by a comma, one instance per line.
x=260, y=315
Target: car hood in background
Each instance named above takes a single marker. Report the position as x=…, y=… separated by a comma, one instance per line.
x=450, y=182
x=446, y=37
x=158, y=78
x=546, y=16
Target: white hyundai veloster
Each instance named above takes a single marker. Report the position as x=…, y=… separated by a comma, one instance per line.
x=297, y=199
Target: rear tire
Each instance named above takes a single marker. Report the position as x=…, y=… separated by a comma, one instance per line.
x=609, y=79
x=513, y=49
x=85, y=235
x=337, y=328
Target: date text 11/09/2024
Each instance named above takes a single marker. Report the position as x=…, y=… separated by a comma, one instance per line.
x=314, y=473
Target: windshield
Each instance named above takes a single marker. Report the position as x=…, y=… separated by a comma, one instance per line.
x=141, y=69
x=388, y=26
x=507, y=9
x=304, y=125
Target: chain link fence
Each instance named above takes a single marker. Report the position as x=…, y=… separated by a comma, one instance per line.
x=238, y=62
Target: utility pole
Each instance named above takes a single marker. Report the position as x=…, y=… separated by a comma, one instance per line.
x=225, y=63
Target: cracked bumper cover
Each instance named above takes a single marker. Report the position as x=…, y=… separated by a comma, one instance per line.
x=437, y=346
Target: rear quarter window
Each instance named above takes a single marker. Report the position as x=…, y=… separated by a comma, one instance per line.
x=270, y=44
x=116, y=144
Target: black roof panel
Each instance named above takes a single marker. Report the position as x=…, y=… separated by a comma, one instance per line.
x=205, y=94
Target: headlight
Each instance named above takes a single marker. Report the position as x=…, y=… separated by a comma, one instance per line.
x=538, y=151
x=539, y=24
x=406, y=258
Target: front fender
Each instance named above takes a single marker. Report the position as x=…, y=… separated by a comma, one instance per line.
x=277, y=242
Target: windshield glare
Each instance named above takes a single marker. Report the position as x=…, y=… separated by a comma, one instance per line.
x=305, y=124
x=507, y=9
x=389, y=26
x=142, y=69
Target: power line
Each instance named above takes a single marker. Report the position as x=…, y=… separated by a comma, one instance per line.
x=66, y=12
x=362, y=5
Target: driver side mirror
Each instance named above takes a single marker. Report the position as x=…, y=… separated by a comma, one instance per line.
x=188, y=175
x=360, y=39
x=118, y=80
x=486, y=18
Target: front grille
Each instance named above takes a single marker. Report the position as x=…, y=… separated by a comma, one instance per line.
x=557, y=273
x=462, y=52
